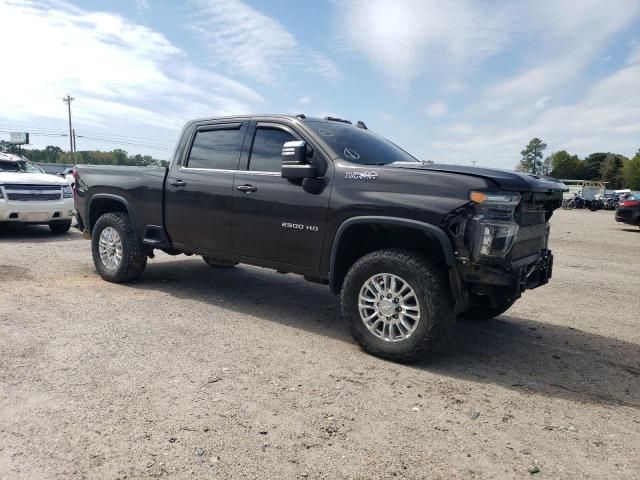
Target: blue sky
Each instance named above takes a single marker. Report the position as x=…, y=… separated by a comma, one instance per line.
x=456, y=81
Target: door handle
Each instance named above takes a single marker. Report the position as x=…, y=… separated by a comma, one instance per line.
x=247, y=188
x=177, y=183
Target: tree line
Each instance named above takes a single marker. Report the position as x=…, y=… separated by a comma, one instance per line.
x=615, y=169
x=53, y=154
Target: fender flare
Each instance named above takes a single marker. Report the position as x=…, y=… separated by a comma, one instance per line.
x=109, y=196
x=437, y=233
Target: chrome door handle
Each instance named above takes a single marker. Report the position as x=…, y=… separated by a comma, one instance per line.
x=247, y=188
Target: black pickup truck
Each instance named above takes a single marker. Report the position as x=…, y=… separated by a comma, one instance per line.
x=408, y=246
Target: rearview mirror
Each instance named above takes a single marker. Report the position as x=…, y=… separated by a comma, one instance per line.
x=294, y=161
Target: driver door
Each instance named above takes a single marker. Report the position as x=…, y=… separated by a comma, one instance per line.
x=273, y=218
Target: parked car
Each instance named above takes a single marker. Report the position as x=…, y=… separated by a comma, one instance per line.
x=406, y=245
x=28, y=195
x=629, y=211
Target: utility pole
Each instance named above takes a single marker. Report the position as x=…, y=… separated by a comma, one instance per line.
x=68, y=99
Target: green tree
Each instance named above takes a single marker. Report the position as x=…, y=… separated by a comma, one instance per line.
x=532, y=157
x=611, y=170
x=565, y=165
x=631, y=171
x=120, y=156
x=593, y=165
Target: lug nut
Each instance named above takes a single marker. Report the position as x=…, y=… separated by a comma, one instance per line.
x=395, y=315
x=396, y=300
x=398, y=309
x=388, y=295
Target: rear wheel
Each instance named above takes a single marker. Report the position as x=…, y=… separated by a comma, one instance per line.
x=60, y=226
x=397, y=305
x=483, y=313
x=117, y=254
x=212, y=262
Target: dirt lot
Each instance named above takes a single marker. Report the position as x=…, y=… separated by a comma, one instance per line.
x=201, y=373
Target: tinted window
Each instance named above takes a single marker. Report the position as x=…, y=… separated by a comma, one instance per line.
x=216, y=149
x=358, y=145
x=266, y=154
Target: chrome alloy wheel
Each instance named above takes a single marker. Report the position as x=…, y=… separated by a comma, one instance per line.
x=389, y=307
x=110, y=248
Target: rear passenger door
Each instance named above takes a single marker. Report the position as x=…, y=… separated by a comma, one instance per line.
x=273, y=218
x=198, y=195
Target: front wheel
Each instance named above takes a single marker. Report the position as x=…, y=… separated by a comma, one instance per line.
x=397, y=304
x=117, y=254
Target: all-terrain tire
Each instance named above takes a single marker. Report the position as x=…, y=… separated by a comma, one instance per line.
x=486, y=313
x=437, y=316
x=60, y=226
x=212, y=262
x=134, y=259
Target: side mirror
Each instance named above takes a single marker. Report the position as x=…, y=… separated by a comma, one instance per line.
x=294, y=161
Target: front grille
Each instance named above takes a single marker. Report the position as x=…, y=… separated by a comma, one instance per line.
x=529, y=240
x=33, y=197
x=533, y=232
x=33, y=193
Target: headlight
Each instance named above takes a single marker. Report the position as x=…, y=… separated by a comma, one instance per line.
x=67, y=192
x=492, y=229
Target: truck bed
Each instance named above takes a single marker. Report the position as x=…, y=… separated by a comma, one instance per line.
x=141, y=188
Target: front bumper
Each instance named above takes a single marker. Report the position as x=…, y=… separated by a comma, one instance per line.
x=508, y=280
x=36, y=212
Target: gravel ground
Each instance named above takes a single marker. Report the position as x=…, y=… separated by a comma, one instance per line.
x=194, y=372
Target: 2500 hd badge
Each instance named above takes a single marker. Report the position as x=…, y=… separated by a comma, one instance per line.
x=300, y=226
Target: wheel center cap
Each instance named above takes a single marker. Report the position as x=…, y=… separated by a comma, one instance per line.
x=386, y=307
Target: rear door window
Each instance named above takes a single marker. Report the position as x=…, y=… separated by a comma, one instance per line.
x=216, y=148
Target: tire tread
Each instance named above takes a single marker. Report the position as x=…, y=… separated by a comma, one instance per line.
x=432, y=280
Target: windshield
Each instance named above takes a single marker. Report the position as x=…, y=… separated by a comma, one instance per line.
x=358, y=145
x=20, y=166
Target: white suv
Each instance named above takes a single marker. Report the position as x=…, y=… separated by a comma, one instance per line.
x=28, y=195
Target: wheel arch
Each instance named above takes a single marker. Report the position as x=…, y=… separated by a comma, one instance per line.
x=358, y=236
x=102, y=203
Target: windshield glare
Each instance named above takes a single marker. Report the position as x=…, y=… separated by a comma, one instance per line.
x=21, y=166
x=358, y=145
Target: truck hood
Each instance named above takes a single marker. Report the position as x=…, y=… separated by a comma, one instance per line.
x=13, y=178
x=506, y=180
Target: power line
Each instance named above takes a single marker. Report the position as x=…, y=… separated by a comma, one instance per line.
x=41, y=131
x=121, y=142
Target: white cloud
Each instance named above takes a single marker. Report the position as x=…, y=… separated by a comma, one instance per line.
x=542, y=102
x=249, y=42
x=606, y=119
x=558, y=49
x=304, y=100
x=407, y=37
x=634, y=55
x=120, y=72
x=404, y=36
x=436, y=109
